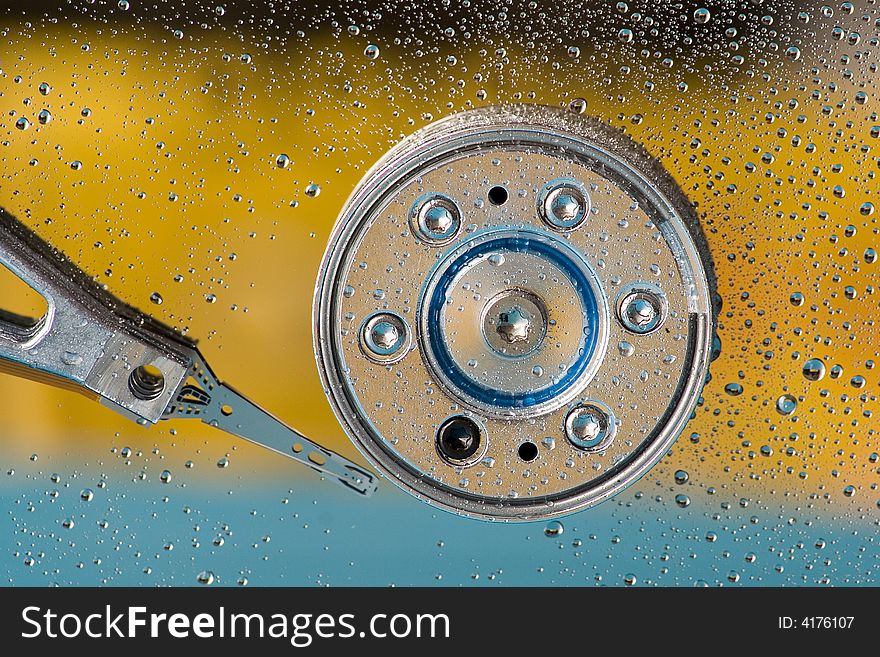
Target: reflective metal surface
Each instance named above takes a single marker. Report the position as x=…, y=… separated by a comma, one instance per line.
x=532, y=387
x=182, y=161
x=86, y=338
x=90, y=341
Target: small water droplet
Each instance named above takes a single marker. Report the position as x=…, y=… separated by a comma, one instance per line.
x=554, y=528
x=786, y=404
x=206, y=577
x=71, y=358
x=702, y=16
x=814, y=370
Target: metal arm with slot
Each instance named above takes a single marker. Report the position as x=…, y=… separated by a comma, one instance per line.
x=91, y=342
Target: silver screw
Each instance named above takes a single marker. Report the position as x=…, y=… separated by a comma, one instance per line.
x=383, y=337
x=565, y=205
x=590, y=427
x=438, y=219
x=514, y=325
x=642, y=308
x=435, y=219
x=514, y=322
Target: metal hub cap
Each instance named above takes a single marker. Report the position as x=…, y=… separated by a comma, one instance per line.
x=513, y=322
x=466, y=304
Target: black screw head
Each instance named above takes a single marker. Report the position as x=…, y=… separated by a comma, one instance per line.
x=458, y=438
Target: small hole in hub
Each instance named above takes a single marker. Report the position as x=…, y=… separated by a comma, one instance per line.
x=498, y=195
x=528, y=451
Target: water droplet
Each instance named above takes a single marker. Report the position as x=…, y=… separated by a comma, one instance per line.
x=206, y=577
x=786, y=404
x=814, y=370
x=578, y=106
x=733, y=389
x=554, y=528
x=71, y=358
x=702, y=16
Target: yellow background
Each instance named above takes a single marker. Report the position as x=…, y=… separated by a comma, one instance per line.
x=179, y=177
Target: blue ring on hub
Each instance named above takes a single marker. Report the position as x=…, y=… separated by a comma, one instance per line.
x=492, y=396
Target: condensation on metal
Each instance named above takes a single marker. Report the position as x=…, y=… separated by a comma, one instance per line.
x=514, y=316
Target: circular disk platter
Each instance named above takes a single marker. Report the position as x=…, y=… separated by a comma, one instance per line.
x=513, y=317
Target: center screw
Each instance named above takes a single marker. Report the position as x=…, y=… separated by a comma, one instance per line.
x=514, y=325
